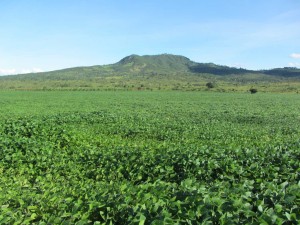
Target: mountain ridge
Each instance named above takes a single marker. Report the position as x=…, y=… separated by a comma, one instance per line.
x=154, y=72
x=171, y=63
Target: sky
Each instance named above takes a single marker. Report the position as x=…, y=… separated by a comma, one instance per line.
x=45, y=35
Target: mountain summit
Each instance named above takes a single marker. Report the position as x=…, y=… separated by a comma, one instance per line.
x=168, y=63
x=156, y=63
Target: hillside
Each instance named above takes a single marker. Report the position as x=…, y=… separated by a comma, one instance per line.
x=165, y=71
x=158, y=63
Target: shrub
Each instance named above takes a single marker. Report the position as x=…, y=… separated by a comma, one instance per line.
x=210, y=85
x=253, y=90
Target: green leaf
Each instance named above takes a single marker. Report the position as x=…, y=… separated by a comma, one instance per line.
x=278, y=208
x=288, y=216
x=32, y=208
x=142, y=219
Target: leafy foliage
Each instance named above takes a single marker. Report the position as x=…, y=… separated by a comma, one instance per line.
x=253, y=90
x=210, y=85
x=151, y=158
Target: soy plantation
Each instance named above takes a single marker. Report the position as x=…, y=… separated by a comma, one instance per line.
x=149, y=158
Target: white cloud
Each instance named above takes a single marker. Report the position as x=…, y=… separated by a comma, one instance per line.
x=7, y=71
x=37, y=70
x=237, y=65
x=21, y=71
x=295, y=55
x=293, y=64
x=34, y=70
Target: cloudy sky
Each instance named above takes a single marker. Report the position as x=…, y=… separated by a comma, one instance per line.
x=47, y=35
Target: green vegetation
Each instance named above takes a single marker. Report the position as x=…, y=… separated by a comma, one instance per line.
x=158, y=72
x=253, y=90
x=149, y=158
x=210, y=85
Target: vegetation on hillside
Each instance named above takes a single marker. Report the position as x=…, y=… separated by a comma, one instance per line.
x=158, y=72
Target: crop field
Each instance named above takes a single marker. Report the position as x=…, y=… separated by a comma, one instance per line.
x=138, y=157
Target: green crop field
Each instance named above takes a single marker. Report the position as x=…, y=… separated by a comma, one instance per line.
x=138, y=157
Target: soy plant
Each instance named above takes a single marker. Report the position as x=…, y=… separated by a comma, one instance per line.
x=197, y=159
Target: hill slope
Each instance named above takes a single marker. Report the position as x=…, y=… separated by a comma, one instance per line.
x=163, y=63
x=164, y=71
x=167, y=63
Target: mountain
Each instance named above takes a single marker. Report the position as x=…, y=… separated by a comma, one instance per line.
x=157, y=63
x=164, y=71
x=167, y=63
x=283, y=72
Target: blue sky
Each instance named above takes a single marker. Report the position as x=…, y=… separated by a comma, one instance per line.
x=43, y=35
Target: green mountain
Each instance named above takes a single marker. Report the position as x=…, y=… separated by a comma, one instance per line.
x=167, y=63
x=164, y=63
x=283, y=72
x=165, y=71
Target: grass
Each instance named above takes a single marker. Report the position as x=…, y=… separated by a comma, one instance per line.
x=181, y=82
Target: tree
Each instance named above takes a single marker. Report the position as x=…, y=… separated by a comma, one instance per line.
x=253, y=90
x=210, y=85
